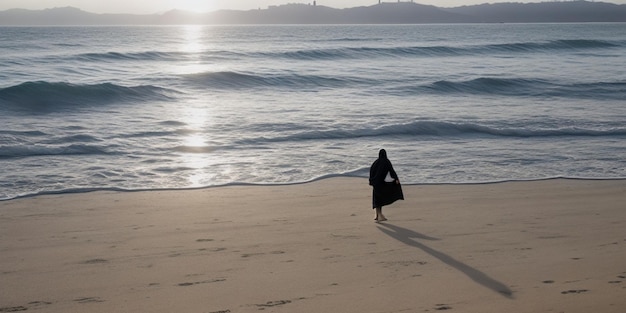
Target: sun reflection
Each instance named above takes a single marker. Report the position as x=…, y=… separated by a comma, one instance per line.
x=192, y=44
x=194, y=141
x=195, y=115
x=196, y=150
x=192, y=37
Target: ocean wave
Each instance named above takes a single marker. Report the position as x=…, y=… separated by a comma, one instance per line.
x=48, y=96
x=487, y=85
x=129, y=56
x=81, y=138
x=563, y=44
x=22, y=151
x=155, y=56
x=518, y=87
x=512, y=87
x=438, y=129
x=26, y=133
x=442, y=50
x=237, y=80
x=365, y=52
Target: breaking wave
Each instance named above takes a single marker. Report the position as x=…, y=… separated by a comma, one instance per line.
x=359, y=52
x=48, y=96
x=129, y=56
x=237, y=80
x=516, y=87
x=519, y=87
x=427, y=51
x=440, y=129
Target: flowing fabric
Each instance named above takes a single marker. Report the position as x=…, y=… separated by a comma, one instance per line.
x=384, y=193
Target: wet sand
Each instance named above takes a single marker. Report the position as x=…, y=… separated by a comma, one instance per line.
x=543, y=246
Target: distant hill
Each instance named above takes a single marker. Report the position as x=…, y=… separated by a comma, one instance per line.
x=545, y=12
x=384, y=13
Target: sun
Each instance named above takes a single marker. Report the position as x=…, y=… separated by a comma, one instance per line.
x=199, y=6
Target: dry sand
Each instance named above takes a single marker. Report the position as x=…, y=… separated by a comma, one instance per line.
x=545, y=246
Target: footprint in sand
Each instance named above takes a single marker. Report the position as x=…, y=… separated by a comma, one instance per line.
x=247, y=255
x=270, y=304
x=443, y=307
x=88, y=300
x=13, y=309
x=23, y=308
x=618, y=281
x=210, y=281
x=95, y=261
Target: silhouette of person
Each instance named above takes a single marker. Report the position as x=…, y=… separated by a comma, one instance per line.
x=385, y=183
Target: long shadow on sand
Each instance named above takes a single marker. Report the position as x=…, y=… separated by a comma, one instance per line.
x=406, y=236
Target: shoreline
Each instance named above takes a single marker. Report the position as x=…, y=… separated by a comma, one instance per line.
x=71, y=191
x=539, y=246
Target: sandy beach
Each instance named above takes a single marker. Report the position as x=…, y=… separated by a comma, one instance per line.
x=543, y=246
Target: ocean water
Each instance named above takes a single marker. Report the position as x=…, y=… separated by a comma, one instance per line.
x=139, y=108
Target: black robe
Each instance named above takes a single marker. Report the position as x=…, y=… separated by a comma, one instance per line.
x=384, y=193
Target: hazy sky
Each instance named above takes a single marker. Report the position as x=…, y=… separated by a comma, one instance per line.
x=157, y=6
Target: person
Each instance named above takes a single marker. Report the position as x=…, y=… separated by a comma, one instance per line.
x=385, y=183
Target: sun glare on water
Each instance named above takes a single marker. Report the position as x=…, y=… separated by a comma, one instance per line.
x=193, y=45
x=195, y=149
x=192, y=35
x=194, y=141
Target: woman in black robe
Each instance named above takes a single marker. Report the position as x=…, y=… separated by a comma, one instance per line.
x=387, y=188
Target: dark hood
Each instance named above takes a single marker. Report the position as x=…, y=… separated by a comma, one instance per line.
x=382, y=154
